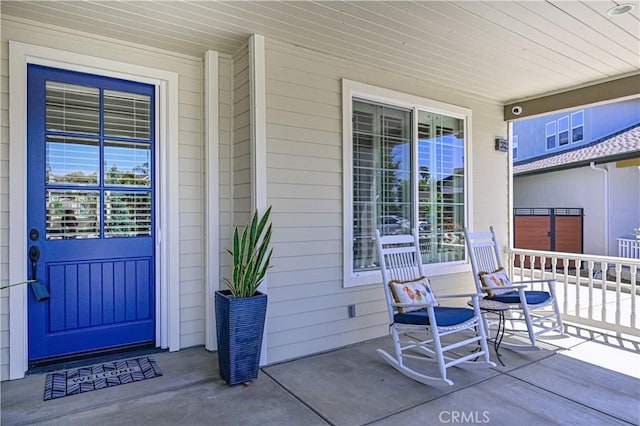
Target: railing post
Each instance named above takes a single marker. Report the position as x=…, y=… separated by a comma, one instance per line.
x=618, y=269
x=633, y=271
x=604, y=267
x=590, y=269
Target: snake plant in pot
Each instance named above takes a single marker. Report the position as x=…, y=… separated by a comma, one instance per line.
x=241, y=309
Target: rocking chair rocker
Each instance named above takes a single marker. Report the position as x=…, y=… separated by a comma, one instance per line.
x=413, y=308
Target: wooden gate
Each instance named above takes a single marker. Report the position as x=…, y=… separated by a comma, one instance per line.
x=548, y=229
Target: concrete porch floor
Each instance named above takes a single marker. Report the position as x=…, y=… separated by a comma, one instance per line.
x=587, y=378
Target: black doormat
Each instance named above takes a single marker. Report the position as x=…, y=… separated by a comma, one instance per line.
x=99, y=376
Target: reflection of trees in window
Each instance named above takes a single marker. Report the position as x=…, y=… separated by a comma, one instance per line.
x=138, y=175
x=423, y=178
x=72, y=160
x=116, y=177
x=127, y=214
x=142, y=169
x=79, y=177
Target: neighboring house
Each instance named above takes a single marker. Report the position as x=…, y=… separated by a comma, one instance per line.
x=136, y=135
x=591, y=161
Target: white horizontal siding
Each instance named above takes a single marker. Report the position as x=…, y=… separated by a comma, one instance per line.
x=290, y=345
x=280, y=135
x=304, y=220
x=241, y=157
x=314, y=282
x=309, y=247
x=304, y=176
x=225, y=180
x=301, y=192
x=308, y=303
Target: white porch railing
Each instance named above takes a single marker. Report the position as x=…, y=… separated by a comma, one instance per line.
x=596, y=291
x=629, y=248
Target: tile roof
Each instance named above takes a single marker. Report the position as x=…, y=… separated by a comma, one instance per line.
x=624, y=144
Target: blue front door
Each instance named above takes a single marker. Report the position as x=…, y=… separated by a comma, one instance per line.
x=90, y=215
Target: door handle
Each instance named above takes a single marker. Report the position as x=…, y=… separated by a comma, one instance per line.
x=39, y=289
x=34, y=256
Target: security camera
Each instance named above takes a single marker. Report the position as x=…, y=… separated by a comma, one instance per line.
x=516, y=110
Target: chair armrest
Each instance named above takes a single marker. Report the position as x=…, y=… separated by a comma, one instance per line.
x=460, y=295
x=412, y=305
x=515, y=287
x=551, y=283
x=534, y=281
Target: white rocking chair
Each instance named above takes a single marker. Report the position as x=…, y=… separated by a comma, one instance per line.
x=401, y=267
x=536, y=308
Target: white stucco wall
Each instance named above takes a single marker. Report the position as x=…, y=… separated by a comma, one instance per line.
x=624, y=204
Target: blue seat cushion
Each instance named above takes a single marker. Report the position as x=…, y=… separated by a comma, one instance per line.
x=444, y=316
x=532, y=297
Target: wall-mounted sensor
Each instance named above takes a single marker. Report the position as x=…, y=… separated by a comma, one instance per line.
x=516, y=110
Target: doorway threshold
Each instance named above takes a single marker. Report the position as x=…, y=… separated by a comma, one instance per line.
x=90, y=358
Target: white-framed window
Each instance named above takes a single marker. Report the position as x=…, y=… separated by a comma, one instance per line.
x=563, y=131
x=514, y=147
x=550, y=134
x=577, y=126
x=404, y=168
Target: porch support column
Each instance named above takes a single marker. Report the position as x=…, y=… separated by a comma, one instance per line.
x=257, y=90
x=18, y=321
x=212, y=194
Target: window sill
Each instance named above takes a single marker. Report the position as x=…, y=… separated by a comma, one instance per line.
x=430, y=270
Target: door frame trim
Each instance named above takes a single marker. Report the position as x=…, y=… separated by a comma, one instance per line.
x=167, y=201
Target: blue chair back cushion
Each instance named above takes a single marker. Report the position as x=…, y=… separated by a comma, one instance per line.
x=533, y=297
x=445, y=317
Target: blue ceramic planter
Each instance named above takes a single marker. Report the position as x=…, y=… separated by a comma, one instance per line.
x=239, y=328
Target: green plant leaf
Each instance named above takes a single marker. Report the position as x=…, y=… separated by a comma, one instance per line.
x=251, y=254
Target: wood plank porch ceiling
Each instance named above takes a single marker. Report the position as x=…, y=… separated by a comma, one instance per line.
x=500, y=51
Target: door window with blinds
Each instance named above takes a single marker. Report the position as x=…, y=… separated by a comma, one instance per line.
x=408, y=172
x=99, y=154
